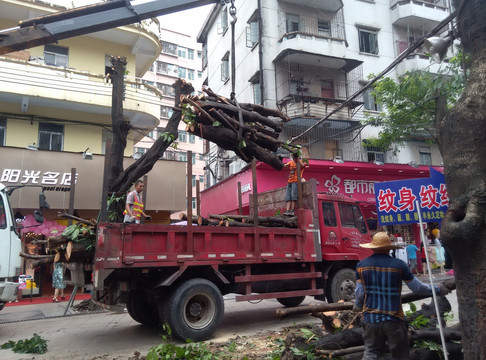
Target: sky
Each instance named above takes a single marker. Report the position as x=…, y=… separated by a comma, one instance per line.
x=187, y=22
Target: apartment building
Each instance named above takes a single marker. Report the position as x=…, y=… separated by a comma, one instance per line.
x=307, y=57
x=55, y=112
x=180, y=57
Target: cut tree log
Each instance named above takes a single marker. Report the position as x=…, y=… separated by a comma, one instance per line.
x=78, y=219
x=248, y=116
x=406, y=298
x=34, y=256
x=228, y=140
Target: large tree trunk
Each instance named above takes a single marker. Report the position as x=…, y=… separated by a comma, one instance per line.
x=123, y=180
x=462, y=141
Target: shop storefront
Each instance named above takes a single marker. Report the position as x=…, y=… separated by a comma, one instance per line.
x=165, y=192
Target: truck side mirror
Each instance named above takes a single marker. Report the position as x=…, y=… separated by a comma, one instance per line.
x=38, y=216
x=42, y=202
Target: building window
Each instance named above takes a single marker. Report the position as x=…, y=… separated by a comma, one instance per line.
x=165, y=111
x=192, y=138
x=190, y=54
x=182, y=72
x=257, y=93
x=193, y=180
x=105, y=135
x=190, y=74
x=368, y=41
x=223, y=21
x=193, y=202
x=182, y=136
x=293, y=23
x=225, y=67
x=3, y=130
x=375, y=154
x=50, y=136
x=370, y=101
x=425, y=156
x=139, y=150
x=201, y=157
x=168, y=69
x=199, y=54
x=169, y=48
x=324, y=28
x=166, y=89
x=193, y=160
x=181, y=52
x=199, y=74
x=182, y=156
x=252, y=31
x=201, y=179
x=56, y=55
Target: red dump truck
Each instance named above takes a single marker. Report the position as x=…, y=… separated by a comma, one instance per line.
x=178, y=274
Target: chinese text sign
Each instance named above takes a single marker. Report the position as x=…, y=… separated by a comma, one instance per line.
x=396, y=200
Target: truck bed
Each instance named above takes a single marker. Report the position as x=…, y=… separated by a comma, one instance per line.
x=132, y=245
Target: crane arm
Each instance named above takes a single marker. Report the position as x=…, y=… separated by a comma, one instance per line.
x=87, y=19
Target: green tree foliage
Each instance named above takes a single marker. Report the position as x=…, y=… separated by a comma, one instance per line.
x=409, y=103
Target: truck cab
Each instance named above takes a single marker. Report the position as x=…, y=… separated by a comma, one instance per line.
x=10, y=246
x=342, y=227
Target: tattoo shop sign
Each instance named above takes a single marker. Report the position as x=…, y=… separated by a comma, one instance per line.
x=396, y=201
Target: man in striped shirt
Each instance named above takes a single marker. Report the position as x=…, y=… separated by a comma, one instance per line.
x=378, y=294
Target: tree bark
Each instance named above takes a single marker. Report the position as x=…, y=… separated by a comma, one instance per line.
x=462, y=140
x=124, y=179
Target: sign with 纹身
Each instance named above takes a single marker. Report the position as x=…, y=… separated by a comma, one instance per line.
x=396, y=201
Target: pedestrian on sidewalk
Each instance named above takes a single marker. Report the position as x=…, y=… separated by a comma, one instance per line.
x=379, y=280
x=412, y=258
x=439, y=251
x=58, y=281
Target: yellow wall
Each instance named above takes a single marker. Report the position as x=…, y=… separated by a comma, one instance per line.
x=77, y=138
x=21, y=133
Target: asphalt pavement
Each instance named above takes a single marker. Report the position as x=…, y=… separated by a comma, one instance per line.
x=110, y=335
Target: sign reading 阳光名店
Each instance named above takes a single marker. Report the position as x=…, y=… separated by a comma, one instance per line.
x=396, y=200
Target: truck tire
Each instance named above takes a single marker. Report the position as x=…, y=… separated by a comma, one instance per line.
x=341, y=285
x=291, y=301
x=141, y=310
x=194, y=310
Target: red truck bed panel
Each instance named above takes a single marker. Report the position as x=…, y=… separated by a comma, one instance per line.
x=160, y=245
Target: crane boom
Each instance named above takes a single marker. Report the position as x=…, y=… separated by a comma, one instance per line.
x=88, y=19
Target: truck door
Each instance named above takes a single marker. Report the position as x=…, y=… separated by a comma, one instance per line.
x=330, y=230
x=354, y=230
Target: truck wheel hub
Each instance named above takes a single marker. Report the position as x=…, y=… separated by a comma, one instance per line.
x=195, y=309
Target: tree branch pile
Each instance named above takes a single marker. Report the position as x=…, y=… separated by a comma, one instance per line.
x=75, y=244
x=233, y=220
x=250, y=130
x=340, y=335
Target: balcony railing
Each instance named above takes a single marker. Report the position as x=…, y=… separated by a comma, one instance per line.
x=296, y=106
x=425, y=3
x=46, y=83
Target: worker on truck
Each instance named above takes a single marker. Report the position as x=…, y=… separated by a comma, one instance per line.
x=292, y=191
x=134, y=205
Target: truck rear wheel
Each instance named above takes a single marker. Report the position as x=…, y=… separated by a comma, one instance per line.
x=194, y=310
x=141, y=310
x=291, y=301
x=341, y=286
